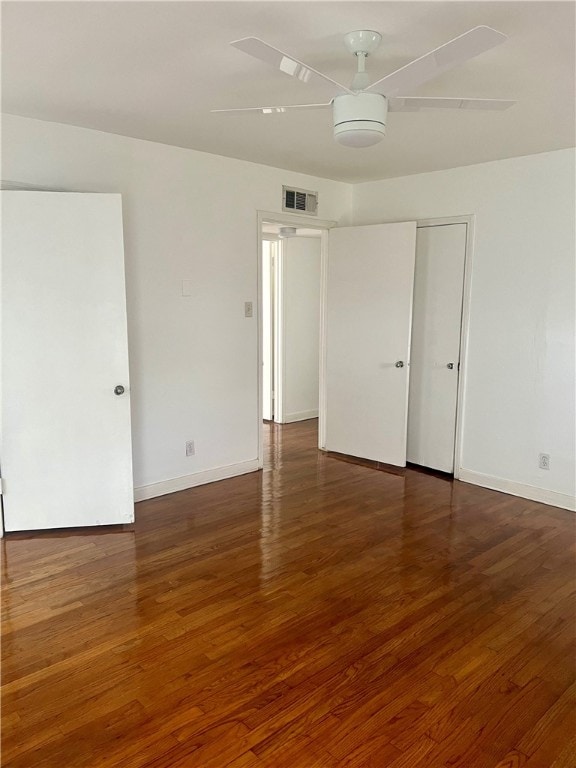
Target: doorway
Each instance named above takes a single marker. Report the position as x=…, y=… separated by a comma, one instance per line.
x=290, y=324
x=292, y=250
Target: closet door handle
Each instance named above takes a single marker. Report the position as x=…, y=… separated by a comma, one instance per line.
x=399, y=364
x=450, y=365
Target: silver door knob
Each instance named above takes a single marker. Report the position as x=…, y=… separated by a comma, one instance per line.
x=119, y=389
x=399, y=364
x=450, y=365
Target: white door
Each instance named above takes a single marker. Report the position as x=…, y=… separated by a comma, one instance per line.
x=367, y=337
x=435, y=358
x=66, y=448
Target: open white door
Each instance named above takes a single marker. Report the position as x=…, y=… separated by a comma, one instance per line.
x=368, y=320
x=66, y=447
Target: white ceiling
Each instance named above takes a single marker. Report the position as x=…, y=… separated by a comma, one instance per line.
x=154, y=70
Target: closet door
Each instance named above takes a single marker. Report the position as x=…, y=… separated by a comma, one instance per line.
x=66, y=447
x=367, y=340
x=435, y=358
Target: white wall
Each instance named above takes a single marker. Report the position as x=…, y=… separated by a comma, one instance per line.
x=193, y=360
x=268, y=248
x=520, y=370
x=187, y=215
x=301, y=327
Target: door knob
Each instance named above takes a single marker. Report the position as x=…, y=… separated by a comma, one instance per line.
x=119, y=389
x=399, y=364
x=450, y=365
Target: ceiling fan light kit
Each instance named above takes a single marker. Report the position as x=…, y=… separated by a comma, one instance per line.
x=360, y=119
x=360, y=116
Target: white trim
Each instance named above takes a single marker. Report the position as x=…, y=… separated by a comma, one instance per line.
x=290, y=218
x=443, y=221
x=470, y=221
x=464, y=336
x=260, y=343
x=268, y=294
x=324, y=244
x=307, y=222
x=531, y=492
x=300, y=416
x=197, y=478
x=279, y=346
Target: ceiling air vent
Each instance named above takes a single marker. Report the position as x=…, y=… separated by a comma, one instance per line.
x=300, y=200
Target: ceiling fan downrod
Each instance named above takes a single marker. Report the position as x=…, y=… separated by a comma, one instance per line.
x=361, y=44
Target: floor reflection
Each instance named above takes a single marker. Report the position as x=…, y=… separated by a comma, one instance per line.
x=416, y=529
x=70, y=575
x=427, y=533
x=271, y=503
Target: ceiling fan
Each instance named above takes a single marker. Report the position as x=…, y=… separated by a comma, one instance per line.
x=359, y=112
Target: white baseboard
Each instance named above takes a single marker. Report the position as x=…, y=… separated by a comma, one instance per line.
x=531, y=492
x=300, y=416
x=198, y=478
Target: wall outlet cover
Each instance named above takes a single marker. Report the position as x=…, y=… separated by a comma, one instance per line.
x=544, y=460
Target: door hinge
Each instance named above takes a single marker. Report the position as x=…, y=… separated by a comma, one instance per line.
x=1, y=486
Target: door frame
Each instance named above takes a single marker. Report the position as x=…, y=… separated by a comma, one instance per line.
x=274, y=258
x=305, y=222
x=470, y=221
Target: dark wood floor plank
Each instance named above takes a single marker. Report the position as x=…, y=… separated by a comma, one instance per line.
x=318, y=614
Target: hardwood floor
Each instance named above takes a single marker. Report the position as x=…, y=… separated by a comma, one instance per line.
x=314, y=615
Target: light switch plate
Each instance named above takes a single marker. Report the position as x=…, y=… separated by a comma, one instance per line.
x=186, y=287
x=248, y=309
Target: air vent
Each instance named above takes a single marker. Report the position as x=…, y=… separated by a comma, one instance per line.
x=300, y=200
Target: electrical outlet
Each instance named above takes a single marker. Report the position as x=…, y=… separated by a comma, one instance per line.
x=248, y=309
x=544, y=460
x=190, y=450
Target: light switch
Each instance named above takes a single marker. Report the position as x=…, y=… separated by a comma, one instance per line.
x=186, y=287
x=248, y=310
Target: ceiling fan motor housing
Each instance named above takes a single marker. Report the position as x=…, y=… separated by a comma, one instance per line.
x=360, y=119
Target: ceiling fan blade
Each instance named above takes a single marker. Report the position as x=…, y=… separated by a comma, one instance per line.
x=275, y=110
x=257, y=48
x=425, y=103
x=447, y=56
